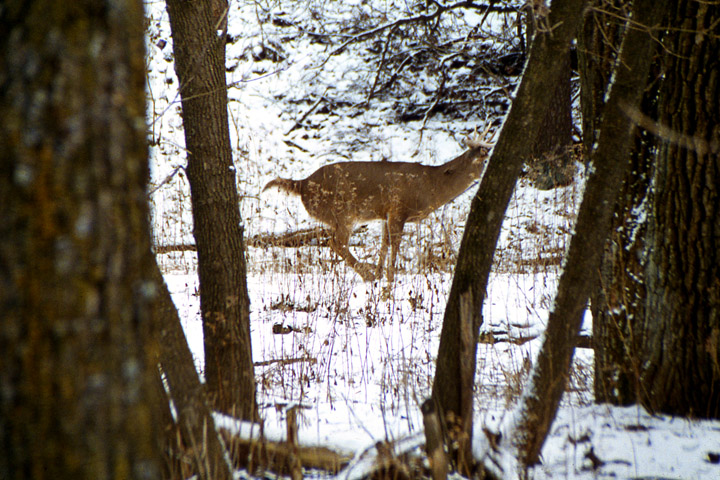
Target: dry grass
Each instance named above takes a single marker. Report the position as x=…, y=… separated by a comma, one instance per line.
x=333, y=334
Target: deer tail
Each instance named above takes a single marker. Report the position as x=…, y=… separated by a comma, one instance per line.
x=284, y=184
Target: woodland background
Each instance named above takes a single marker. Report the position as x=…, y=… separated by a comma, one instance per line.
x=609, y=115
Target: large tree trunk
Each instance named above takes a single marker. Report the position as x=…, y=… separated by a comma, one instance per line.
x=78, y=398
x=224, y=301
x=463, y=316
x=680, y=328
x=657, y=315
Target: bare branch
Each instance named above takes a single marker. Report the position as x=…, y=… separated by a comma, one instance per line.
x=696, y=144
x=425, y=17
x=167, y=179
x=306, y=114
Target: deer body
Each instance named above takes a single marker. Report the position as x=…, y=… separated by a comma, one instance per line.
x=343, y=195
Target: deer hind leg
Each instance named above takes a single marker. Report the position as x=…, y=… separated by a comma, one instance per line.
x=383, y=249
x=339, y=243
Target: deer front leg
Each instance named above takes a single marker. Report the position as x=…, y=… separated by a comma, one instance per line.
x=339, y=243
x=394, y=232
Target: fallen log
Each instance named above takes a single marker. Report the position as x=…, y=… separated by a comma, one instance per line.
x=282, y=458
x=181, y=247
x=500, y=336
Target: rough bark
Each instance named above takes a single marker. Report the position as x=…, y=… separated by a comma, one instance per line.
x=620, y=292
x=610, y=161
x=622, y=283
x=78, y=397
x=224, y=302
x=657, y=311
x=680, y=325
x=455, y=371
x=614, y=341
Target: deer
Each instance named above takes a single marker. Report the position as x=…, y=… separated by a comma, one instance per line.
x=346, y=194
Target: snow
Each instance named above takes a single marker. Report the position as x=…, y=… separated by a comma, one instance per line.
x=359, y=358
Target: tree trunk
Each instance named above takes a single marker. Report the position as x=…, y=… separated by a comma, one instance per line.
x=224, y=302
x=538, y=405
x=618, y=350
x=550, y=160
x=680, y=328
x=198, y=441
x=455, y=371
x=656, y=320
x=78, y=397
x=598, y=46
x=622, y=282
x=615, y=344
x=540, y=400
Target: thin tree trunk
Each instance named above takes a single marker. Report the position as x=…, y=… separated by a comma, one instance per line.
x=539, y=402
x=598, y=42
x=224, y=301
x=487, y=212
x=617, y=353
x=198, y=434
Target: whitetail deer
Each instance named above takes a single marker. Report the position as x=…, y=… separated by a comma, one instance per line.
x=343, y=195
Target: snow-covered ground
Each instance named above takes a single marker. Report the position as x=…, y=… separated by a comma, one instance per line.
x=360, y=357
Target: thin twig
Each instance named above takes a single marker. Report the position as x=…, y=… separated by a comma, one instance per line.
x=664, y=132
x=382, y=64
x=167, y=179
x=439, y=10
x=440, y=93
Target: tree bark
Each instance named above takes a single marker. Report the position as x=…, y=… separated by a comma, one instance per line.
x=657, y=313
x=78, y=397
x=610, y=161
x=616, y=347
x=550, y=159
x=455, y=372
x=224, y=301
x=598, y=46
x=680, y=328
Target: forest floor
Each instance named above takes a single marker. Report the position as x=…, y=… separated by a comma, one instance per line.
x=307, y=89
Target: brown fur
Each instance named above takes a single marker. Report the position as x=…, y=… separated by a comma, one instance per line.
x=343, y=195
